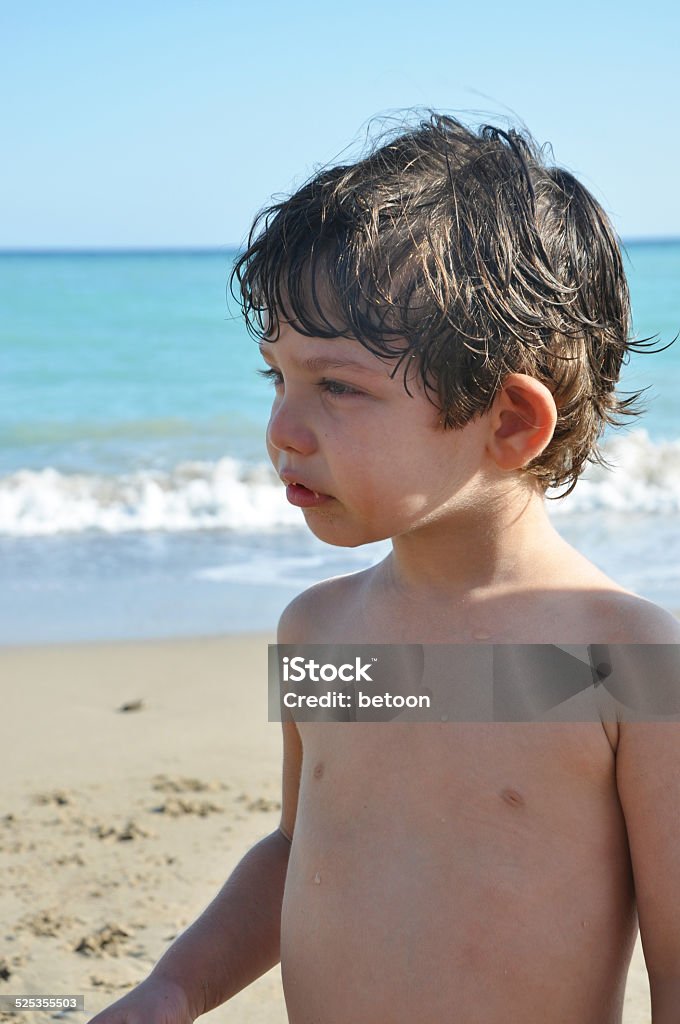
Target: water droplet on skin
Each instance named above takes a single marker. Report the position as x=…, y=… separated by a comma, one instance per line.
x=317, y=879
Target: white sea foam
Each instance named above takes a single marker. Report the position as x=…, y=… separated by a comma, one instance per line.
x=194, y=496
x=234, y=495
x=645, y=478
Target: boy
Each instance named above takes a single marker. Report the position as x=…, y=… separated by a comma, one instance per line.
x=444, y=324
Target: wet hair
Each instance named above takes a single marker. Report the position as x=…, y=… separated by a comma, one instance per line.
x=462, y=253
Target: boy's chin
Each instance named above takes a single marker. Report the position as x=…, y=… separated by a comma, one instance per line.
x=339, y=535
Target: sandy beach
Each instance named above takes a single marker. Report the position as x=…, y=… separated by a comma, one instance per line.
x=118, y=826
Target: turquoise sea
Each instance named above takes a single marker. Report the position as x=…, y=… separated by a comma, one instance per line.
x=135, y=495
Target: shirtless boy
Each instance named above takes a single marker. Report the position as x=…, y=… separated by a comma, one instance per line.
x=444, y=324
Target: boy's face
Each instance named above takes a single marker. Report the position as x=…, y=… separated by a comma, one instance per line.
x=378, y=459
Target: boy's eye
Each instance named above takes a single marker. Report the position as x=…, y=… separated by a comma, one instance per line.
x=329, y=387
x=275, y=376
x=334, y=387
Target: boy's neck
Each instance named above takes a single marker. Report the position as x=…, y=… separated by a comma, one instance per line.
x=505, y=545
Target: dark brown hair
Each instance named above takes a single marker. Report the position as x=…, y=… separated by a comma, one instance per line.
x=463, y=249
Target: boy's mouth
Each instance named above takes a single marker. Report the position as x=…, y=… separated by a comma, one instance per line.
x=303, y=497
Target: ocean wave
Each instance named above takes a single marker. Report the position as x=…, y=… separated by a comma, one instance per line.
x=235, y=495
x=226, y=494
x=644, y=479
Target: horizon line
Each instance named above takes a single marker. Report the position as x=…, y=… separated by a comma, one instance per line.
x=124, y=250
x=127, y=250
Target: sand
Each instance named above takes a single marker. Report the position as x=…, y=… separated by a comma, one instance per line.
x=118, y=826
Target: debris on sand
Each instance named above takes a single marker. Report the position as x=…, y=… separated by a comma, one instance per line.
x=129, y=832
x=133, y=705
x=108, y=940
x=58, y=797
x=184, y=784
x=176, y=806
x=45, y=923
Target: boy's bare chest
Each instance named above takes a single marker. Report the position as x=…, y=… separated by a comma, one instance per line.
x=495, y=843
x=481, y=778
x=515, y=797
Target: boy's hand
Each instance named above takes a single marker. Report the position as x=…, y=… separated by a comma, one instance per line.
x=153, y=1001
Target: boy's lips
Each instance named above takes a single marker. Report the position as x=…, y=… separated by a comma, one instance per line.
x=300, y=494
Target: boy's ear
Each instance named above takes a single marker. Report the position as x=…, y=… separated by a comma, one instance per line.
x=522, y=421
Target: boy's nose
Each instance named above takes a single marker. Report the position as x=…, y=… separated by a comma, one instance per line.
x=288, y=431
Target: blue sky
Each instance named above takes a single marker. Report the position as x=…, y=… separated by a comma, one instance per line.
x=170, y=124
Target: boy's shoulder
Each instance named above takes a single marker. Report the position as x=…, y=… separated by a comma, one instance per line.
x=622, y=616
x=317, y=615
x=631, y=619
x=602, y=609
x=331, y=612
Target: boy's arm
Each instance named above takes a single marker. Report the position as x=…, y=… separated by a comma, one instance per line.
x=233, y=942
x=648, y=780
x=237, y=937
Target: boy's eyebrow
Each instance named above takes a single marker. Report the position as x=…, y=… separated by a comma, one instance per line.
x=316, y=364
